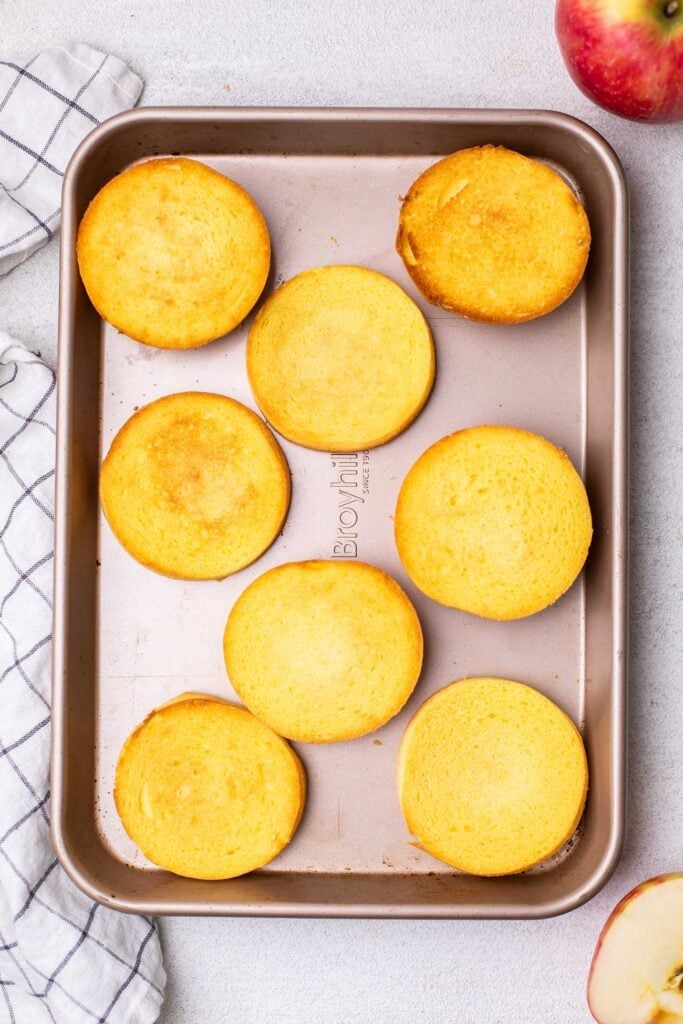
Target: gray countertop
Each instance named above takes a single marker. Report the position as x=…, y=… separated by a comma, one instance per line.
x=439, y=54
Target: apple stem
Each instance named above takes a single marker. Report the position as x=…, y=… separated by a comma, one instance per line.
x=671, y=8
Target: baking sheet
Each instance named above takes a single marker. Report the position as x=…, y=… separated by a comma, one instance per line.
x=333, y=196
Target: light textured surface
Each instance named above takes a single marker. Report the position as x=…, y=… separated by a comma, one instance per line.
x=450, y=54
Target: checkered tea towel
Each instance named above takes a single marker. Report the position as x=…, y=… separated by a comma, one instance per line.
x=46, y=107
x=63, y=958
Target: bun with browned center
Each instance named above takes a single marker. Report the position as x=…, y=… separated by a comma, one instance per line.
x=492, y=235
x=195, y=486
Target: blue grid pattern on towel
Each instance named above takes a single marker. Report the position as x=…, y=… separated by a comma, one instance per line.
x=63, y=958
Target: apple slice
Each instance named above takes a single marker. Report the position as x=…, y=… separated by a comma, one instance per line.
x=636, y=976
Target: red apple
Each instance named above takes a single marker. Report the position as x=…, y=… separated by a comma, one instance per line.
x=627, y=55
x=636, y=976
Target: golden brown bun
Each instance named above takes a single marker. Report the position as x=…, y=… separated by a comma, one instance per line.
x=323, y=651
x=340, y=359
x=494, y=521
x=208, y=791
x=195, y=486
x=492, y=776
x=493, y=235
x=173, y=253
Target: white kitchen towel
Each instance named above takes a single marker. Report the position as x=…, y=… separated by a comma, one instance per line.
x=47, y=106
x=63, y=958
